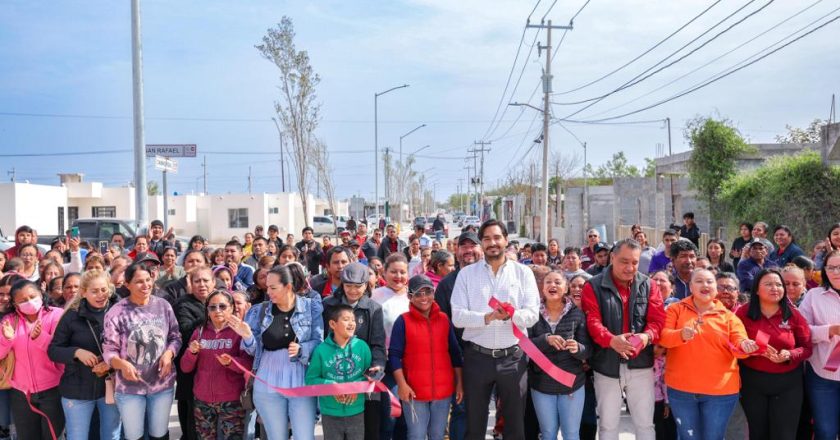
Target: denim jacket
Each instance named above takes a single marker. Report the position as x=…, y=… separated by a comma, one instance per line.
x=306, y=322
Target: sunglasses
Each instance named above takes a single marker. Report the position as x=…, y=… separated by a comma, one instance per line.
x=217, y=307
x=422, y=292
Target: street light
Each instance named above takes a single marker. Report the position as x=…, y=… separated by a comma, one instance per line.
x=419, y=150
x=376, y=142
x=544, y=218
x=406, y=135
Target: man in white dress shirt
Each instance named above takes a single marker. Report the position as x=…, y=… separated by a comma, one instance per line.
x=492, y=356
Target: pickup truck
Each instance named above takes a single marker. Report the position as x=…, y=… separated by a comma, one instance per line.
x=96, y=230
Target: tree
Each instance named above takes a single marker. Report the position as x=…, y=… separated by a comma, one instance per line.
x=618, y=166
x=458, y=201
x=798, y=191
x=152, y=188
x=321, y=164
x=297, y=109
x=715, y=146
x=809, y=135
x=650, y=167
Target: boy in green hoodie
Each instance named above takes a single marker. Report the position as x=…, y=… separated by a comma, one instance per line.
x=340, y=358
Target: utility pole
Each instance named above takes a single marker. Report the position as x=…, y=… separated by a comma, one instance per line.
x=585, y=190
x=673, y=197
x=480, y=183
x=460, y=194
x=387, y=159
x=544, y=235
x=250, y=180
x=474, y=181
x=141, y=196
x=204, y=171
x=12, y=173
x=376, y=143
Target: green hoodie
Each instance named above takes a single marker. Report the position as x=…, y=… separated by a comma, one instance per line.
x=332, y=364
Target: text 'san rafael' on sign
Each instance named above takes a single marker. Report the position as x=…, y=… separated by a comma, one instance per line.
x=171, y=150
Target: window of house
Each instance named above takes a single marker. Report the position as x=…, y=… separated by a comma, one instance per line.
x=238, y=218
x=72, y=214
x=103, y=211
x=171, y=212
x=273, y=210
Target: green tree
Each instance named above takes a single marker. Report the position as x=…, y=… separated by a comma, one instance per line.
x=798, y=191
x=152, y=188
x=617, y=166
x=458, y=201
x=650, y=167
x=715, y=146
x=809, y=135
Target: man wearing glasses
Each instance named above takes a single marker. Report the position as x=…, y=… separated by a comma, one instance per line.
x=587, y=257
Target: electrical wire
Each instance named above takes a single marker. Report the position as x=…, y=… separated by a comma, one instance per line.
x=772, y=28
x=607, y=75
x=723, y=74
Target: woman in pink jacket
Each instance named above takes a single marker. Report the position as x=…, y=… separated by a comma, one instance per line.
x=27, y=332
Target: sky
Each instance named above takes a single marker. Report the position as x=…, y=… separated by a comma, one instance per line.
x=66, y=83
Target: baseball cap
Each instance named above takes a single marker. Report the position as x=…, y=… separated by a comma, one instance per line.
x=355, y=273
x=146, y=257
x=468, y=236
x=762, y=241
x=418, y=282
x=600, y=246
x=157, y=223
x=344, y=232
x=353, y=243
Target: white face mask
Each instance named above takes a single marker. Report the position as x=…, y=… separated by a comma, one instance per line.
x=32, y=306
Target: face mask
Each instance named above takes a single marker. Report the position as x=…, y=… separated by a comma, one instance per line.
x=31, y=307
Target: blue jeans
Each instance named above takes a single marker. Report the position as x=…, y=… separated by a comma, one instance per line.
x=391, y=428
x=79, y=412
x=559, y=412
x=824, y=395
x=439, y=236
x=139, y=411
x=701, y=416
x=457, y=421
x=426, y=419
x=276, y=411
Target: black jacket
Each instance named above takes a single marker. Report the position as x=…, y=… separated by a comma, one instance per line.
x=311, y=255
x=370, y=324
x=176, y=289
x=443, y=298
x=370, y=249
x=572, y=325
x=318, y=283
x=190, y=313
x=438, y=225
x=385, y=247
x=72, y=332
x=605, y=360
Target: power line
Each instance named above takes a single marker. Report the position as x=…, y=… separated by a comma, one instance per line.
x=639, y=78
x=607, y=75
x=721, y=75
x=776, y=26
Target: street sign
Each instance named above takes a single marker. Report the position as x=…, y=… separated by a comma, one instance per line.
x=171, y=150
x=166, y=164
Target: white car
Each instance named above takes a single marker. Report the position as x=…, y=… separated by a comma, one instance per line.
x=471, y=220
x=322, y=225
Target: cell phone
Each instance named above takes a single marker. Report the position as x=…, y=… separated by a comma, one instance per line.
x=74, y=232
x=103, y=247
x=376, y=375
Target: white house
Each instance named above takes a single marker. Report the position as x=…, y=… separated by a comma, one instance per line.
x=42, y=207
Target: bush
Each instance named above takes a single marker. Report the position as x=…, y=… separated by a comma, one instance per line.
x=798, y=191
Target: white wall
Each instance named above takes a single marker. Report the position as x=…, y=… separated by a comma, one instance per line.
x=32, y=205
x=218, y=230
x=122, y=198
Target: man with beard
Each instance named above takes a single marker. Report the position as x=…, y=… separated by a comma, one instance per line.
x=310, y=251
x=683, y=258
x=390, y=244
x=260, y=249
x=492, y=357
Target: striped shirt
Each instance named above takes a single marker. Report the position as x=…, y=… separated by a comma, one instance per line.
x=476, y=284
x=821, y=308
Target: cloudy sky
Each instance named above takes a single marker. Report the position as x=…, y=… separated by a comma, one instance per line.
x=65, y=81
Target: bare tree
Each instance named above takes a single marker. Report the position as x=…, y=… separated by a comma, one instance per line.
x=563, y=166
x=321, y=164
x=297, y=109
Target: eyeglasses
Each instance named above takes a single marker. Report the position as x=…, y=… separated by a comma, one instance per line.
x=728, y=288
x=832, y=269
x=217, y=307
x=423, y=292
x=593, y=236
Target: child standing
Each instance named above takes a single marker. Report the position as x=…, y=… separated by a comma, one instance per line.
x=218, y=383
x=340, y=358
x=426, y=359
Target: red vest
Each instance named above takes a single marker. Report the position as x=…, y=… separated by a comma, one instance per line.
x=426, y=363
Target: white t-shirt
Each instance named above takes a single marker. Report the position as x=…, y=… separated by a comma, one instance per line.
x=393, y=305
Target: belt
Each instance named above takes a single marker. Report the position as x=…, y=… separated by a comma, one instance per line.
x=495, y=353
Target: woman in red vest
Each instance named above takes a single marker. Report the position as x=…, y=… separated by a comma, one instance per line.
x=426, y=360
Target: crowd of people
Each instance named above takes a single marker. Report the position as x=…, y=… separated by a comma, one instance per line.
x=100, y=343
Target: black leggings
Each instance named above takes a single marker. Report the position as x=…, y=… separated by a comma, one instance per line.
x=772, y=402
x=31, y=425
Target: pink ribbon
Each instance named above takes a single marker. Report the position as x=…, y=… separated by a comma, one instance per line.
x=333, y=389
x=40, y=413
x=761, y=339
x=556, y=373
x=833, y=361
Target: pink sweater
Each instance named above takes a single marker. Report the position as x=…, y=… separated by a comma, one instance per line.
x=34, y=371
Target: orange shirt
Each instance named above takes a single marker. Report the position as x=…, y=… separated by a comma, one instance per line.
x=705, y=364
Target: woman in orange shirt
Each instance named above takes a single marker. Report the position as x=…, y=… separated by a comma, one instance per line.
x=701, y=368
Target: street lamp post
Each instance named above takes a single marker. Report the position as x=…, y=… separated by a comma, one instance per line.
x=403, y=163
x=544, y=202
x=406, y=135
x=376, y=143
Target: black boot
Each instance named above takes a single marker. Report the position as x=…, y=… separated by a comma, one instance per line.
x=164, y=437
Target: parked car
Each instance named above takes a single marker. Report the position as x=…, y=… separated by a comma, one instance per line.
x=340, y=221
x=322, y=225
x=418, y=221
x=458, y=217
x=99, y=229
x=471, y=220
